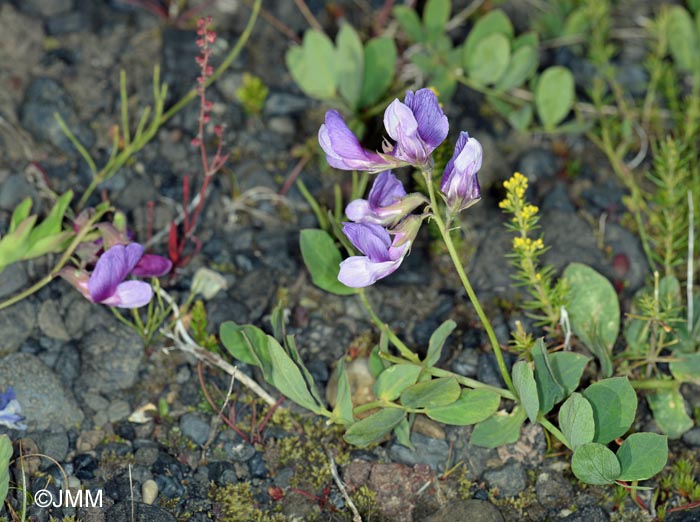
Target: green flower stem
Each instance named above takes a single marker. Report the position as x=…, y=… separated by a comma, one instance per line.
x=61, y=262
x=551, y=428
x=461, y=379
x=405, y=350
x=445, y=233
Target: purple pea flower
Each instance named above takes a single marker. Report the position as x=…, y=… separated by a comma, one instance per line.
x=387, y=203
x=460, y=184
x=417, y=125
x=382, y=255
x=107, y=285
x=11, y=410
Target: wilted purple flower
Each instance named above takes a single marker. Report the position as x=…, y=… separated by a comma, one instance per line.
x=417, y=125
x=460, y=184
x=342, y=148
x=387, y=203
x=107, y=285
x=11, y=410
x=382, y=255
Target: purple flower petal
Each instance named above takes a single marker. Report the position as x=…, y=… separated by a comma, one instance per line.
x=111, y=269
x=402, y=127
x=11, y=410
x=386, y=190
x=342, y=148
x=359, y=271
x=130, y=294
x=7, y=396
x=359, y=211
x=460, y=183
x=370, y=239
x=432, y=122
x=151, y=265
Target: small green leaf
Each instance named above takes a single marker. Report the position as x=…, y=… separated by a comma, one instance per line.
x=495, y=21
x=374, y=428
x=567, y=367
x=5, y=455
x=523, y=64
x=614, y=405
x=14, y=245
x=394, y=380
x=350, y=65
x=376, y=364
x=594, y=312
x=576, y=420
x=410, y=22
x=686, y=367
x=431, y=394
x=529, y=39
x=594, y=463
x=472, y=406
x=499, y=429
x=288, y=379
x=435, y=16
x=312, y=65
x=51, y=225
x=683, y=39
x=403, y=433
x=19, y=214
x=380, y=68
x=437, y=341
x=291, y=347
x=342, y=412
x=525, y=385
x=554, y=96
x=322, y=260
x=521, y=118
x=248, y=344
x=549, y=390
x=642, y=456
x=489, y=59
x=668, y=407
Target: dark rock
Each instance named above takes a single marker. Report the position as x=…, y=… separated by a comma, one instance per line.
x=84, y=466
x=46, y=9
x=510, y=479
x=169, y=465
x=284, y=104
x=488, y=371
x=125, y=430
x=15, y=189
x=569, y=239
x=481, y=494
x=13, y=278
x=589, y=514
x=606, y=197
x=558, y=199
x=110, y=358
x=195, y=427
x=169, y=487
x=471, y=510
x=123, y=487
x=16, y=324
x=128, y=511
x=466, y=363
x=236, y=448
x=553, y=490
x=475, y=458
x=257, y=467
x=692, y=437
x=43, y=98
x=54, y=445
x=318, y=370
x=222, y=473
x=537, y=164
x=425, y=328
x=147, y=455
x=686, y=515
x=67, y=23
x=67, y=364
x=50, y=406
x=179, y=68
x=430, y=451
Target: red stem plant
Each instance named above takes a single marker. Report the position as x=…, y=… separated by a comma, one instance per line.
x=178, y=238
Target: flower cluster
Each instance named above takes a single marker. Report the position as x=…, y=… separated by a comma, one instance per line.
x=11, y=410
x=416, y=127
x=119, y=258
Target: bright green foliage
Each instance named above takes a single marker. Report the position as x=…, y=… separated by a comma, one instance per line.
x=554, y=96
x=437, y=341
x=199, y=328
x=499, y=429
x=5, y=454
x=472, y=406
x=594, y=463
x=576, y=420
x=642, y=456
x=394, y=380
x=252, y=94
x=313, y=65
x=594, y=312
x=684, y=39
x=668, y=407
x=375, y=427
x=342, y=413
x=322, y=259
x=25, y=239
x=525, y=385
x=614, y=403
x=431, y=394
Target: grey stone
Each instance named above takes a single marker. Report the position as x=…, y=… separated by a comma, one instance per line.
x=128, y=511
x=110, y=358
x=570, y=238
x=67, y=23
x=466, y=362
x=16, y=324
x=692, y=437
x=588, y=514
x=45, y=97
x=475, y=458
x=46, y=9
x=686, y=515
x=284, y=104
x=558, y=199
x=12, y=279
x=51, y=444
x=537, y=164
x=118, y=410
x=553, y=490
x=430, y=451
x=49, y=406
x=194, y=427
x=510, y=479
x=14, y=190
x=51, y=321
x=463, y=510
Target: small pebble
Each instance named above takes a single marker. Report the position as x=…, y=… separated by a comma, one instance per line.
x=149, y=491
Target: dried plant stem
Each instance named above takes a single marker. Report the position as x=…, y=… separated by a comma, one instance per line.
x=184, y=342
x=334, y=473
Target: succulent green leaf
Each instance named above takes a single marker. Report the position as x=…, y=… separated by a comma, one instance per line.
x=380, y=67
x=614, y=405
x=686, y=367
x=313, y=65
x=554, y=96
x=594, y=463
x=549, y=390
x=525, y=385
x=567, y=368
x=350, y=65
x=19, y=214
x=51, y=225
x=668, y=407
x=523, y=64
x=594, y=312
x=431, y=394
x=576, y=420
x=322, y=259
x=410, y=22
x=437, y=341
x=683, y=39
x=472, y=406
x=642, y=456
x=342, y=412
x=435, y=16
x=14, y=245
x=499, y=429
x=248, y=344
x=489, y=59
x=495, y=21
x=374, y=428
x=394, y=380
x=403, y=433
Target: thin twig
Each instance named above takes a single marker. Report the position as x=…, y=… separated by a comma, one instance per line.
x=462, y=16
x=334, y=472
x=308, y=15
x=184, y=342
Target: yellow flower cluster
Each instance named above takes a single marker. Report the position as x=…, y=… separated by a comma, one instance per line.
x=517, y=184
x=529, y=211
x=527, y=245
